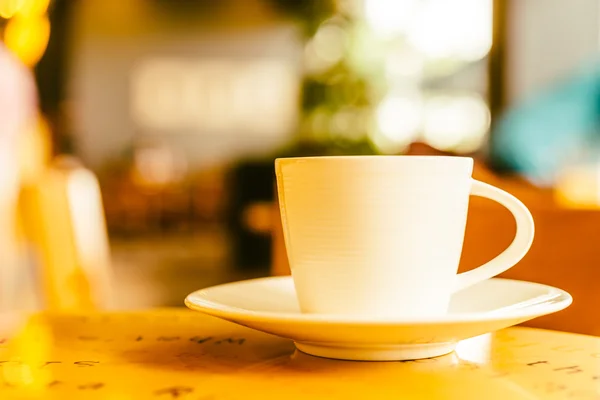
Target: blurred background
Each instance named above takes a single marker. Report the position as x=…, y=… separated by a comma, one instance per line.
x=143, y=167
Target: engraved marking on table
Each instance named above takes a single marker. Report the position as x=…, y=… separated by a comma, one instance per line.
x=50, y=363
x=15, y=363
x=200, y=339
x=231, y=341
x=174, y=392
x=91, y=386
x=86, y=363
x=168, y=338
x=531, y=364
x=21, y=363
x=573, y=369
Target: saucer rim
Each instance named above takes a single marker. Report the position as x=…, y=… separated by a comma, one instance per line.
x=559, y=301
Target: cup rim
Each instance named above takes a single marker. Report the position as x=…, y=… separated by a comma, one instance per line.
x=388, y=157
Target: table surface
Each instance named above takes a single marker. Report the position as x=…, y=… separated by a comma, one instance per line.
x=179, y=354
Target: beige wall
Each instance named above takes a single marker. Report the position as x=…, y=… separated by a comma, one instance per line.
x=113, y=38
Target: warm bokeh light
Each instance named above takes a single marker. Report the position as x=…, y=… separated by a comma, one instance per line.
x=399, y=118
x=390, y=17
x=438, y=28
x=157, y=166
x=326, y=48
x=214, y=96
x=29, y=348
x=386, y=146
x=317, y=122
x=404, y=63
x=27, y=37
x=461, y=29
x=157, y=93
x=458, y=123
x=349, y=122
x=33, y=8
x=416, y=40
x=8, y=8
x=578, y=186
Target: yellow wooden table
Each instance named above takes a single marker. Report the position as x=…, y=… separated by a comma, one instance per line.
x=179, y=354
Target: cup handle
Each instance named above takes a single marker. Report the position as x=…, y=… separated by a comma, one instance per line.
x=517, y=249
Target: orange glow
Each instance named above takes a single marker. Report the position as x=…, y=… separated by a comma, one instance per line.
x=32, y=8
x=27, y=37
x=8, y=8
x=35, y=150
x=578, y=186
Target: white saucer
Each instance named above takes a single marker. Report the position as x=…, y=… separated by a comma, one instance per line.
x=269, y=305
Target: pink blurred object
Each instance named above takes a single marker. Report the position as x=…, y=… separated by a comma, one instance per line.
x=18, y=98
x=18, y=108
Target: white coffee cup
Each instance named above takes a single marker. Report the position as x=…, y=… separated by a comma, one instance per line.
x=382, y=236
